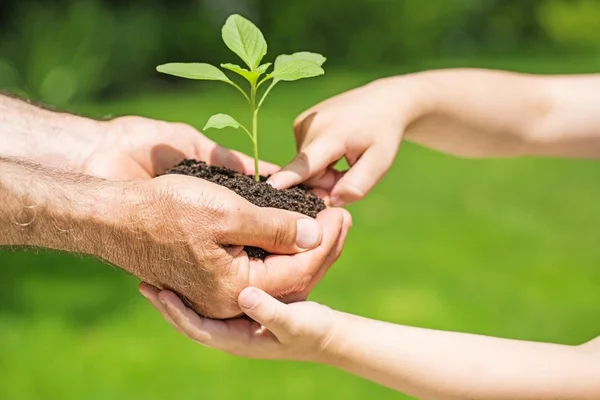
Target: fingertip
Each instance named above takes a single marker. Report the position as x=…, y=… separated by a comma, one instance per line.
x=147, y=290
x=336, y=201
x=308, y=233
x=249, y=298
x=323, y=195
x=347, y=218
x=170, y=301
x=344, y=194
x=280, y=181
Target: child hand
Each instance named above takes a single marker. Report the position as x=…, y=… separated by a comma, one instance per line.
x=298, y=331
x=364, y=125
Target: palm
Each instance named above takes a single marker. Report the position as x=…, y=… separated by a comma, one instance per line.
x=141, y=148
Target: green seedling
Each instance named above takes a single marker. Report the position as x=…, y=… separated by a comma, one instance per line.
x=247, y=41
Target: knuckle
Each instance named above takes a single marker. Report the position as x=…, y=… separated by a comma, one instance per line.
x=299, y=122
x=272, y=317
x=225, y=219
x=281, y=233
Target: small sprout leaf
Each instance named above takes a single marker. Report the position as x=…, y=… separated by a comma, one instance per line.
x=220, y=121
x=263, y=68
x=244, y=39
x=301, y=55
x=251, y=76
x=201, y=71
x=296, y=69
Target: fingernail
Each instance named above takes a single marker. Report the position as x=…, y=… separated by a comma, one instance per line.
x=250, y=300
x=308, y=233
x=272, y=182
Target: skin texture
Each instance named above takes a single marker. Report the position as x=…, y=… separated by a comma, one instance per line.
x=424, y=363
x=466, y=113
x=463, y=112
x=85, y=186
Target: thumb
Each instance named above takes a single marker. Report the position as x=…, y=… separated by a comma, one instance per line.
x=267, y=311
x=274, y=230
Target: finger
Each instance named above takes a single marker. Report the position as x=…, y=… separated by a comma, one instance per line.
x=201, y=330
x=363, y=176
x=281, y=275
x=311, y=160
x=332, y=257
x=275, y=230
x=323, y=195
x=264, y=309
x=151, y=293
x=325, y=180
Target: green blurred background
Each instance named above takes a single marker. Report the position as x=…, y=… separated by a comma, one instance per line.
x=505, y=247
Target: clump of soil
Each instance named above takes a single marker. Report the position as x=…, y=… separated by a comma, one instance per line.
x=298, y=198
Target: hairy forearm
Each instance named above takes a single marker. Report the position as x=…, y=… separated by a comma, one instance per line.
x=50, y=138
x=446, y=365
x=53, y=209
x=486, y=113
x=123, y=223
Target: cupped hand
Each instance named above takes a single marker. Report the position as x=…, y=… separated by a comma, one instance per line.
x=298, y=331
x=187, y=234
x=135, y=147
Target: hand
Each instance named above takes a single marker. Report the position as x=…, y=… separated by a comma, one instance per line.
x=298, y=331
x=187, y=234
x=364, y=125
x=134, y=147
x=173, y=231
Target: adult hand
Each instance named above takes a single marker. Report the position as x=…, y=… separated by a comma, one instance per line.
x=189, y=236
x=134, y=147
x=173, y=231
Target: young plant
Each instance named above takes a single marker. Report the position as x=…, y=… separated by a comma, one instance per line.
x=247, y=41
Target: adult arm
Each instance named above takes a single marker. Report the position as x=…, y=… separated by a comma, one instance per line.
x=46, y=137
x=174, y=232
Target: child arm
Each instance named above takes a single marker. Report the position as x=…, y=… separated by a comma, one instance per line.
x=420, y=362
x=463, y=112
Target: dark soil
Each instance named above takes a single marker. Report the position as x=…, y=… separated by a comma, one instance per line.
x=298, y=198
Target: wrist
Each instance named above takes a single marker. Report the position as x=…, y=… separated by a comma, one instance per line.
x=331, y=347
x=45, y=137
x=409, y=97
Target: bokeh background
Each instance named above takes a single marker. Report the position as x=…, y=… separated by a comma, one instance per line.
x=503, y=247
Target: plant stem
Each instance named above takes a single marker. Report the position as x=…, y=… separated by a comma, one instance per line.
x=255, y=143
x=264, y=96
x=254, y=110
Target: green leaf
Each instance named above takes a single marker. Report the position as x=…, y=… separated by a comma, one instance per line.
x=200, y=71
x=263, y=68
x=251, y=76
x=244, y=39
x=220, y=121
x=296, y=69
x=301, y=55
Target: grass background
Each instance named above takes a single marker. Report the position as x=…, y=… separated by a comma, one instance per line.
x=501, y=247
